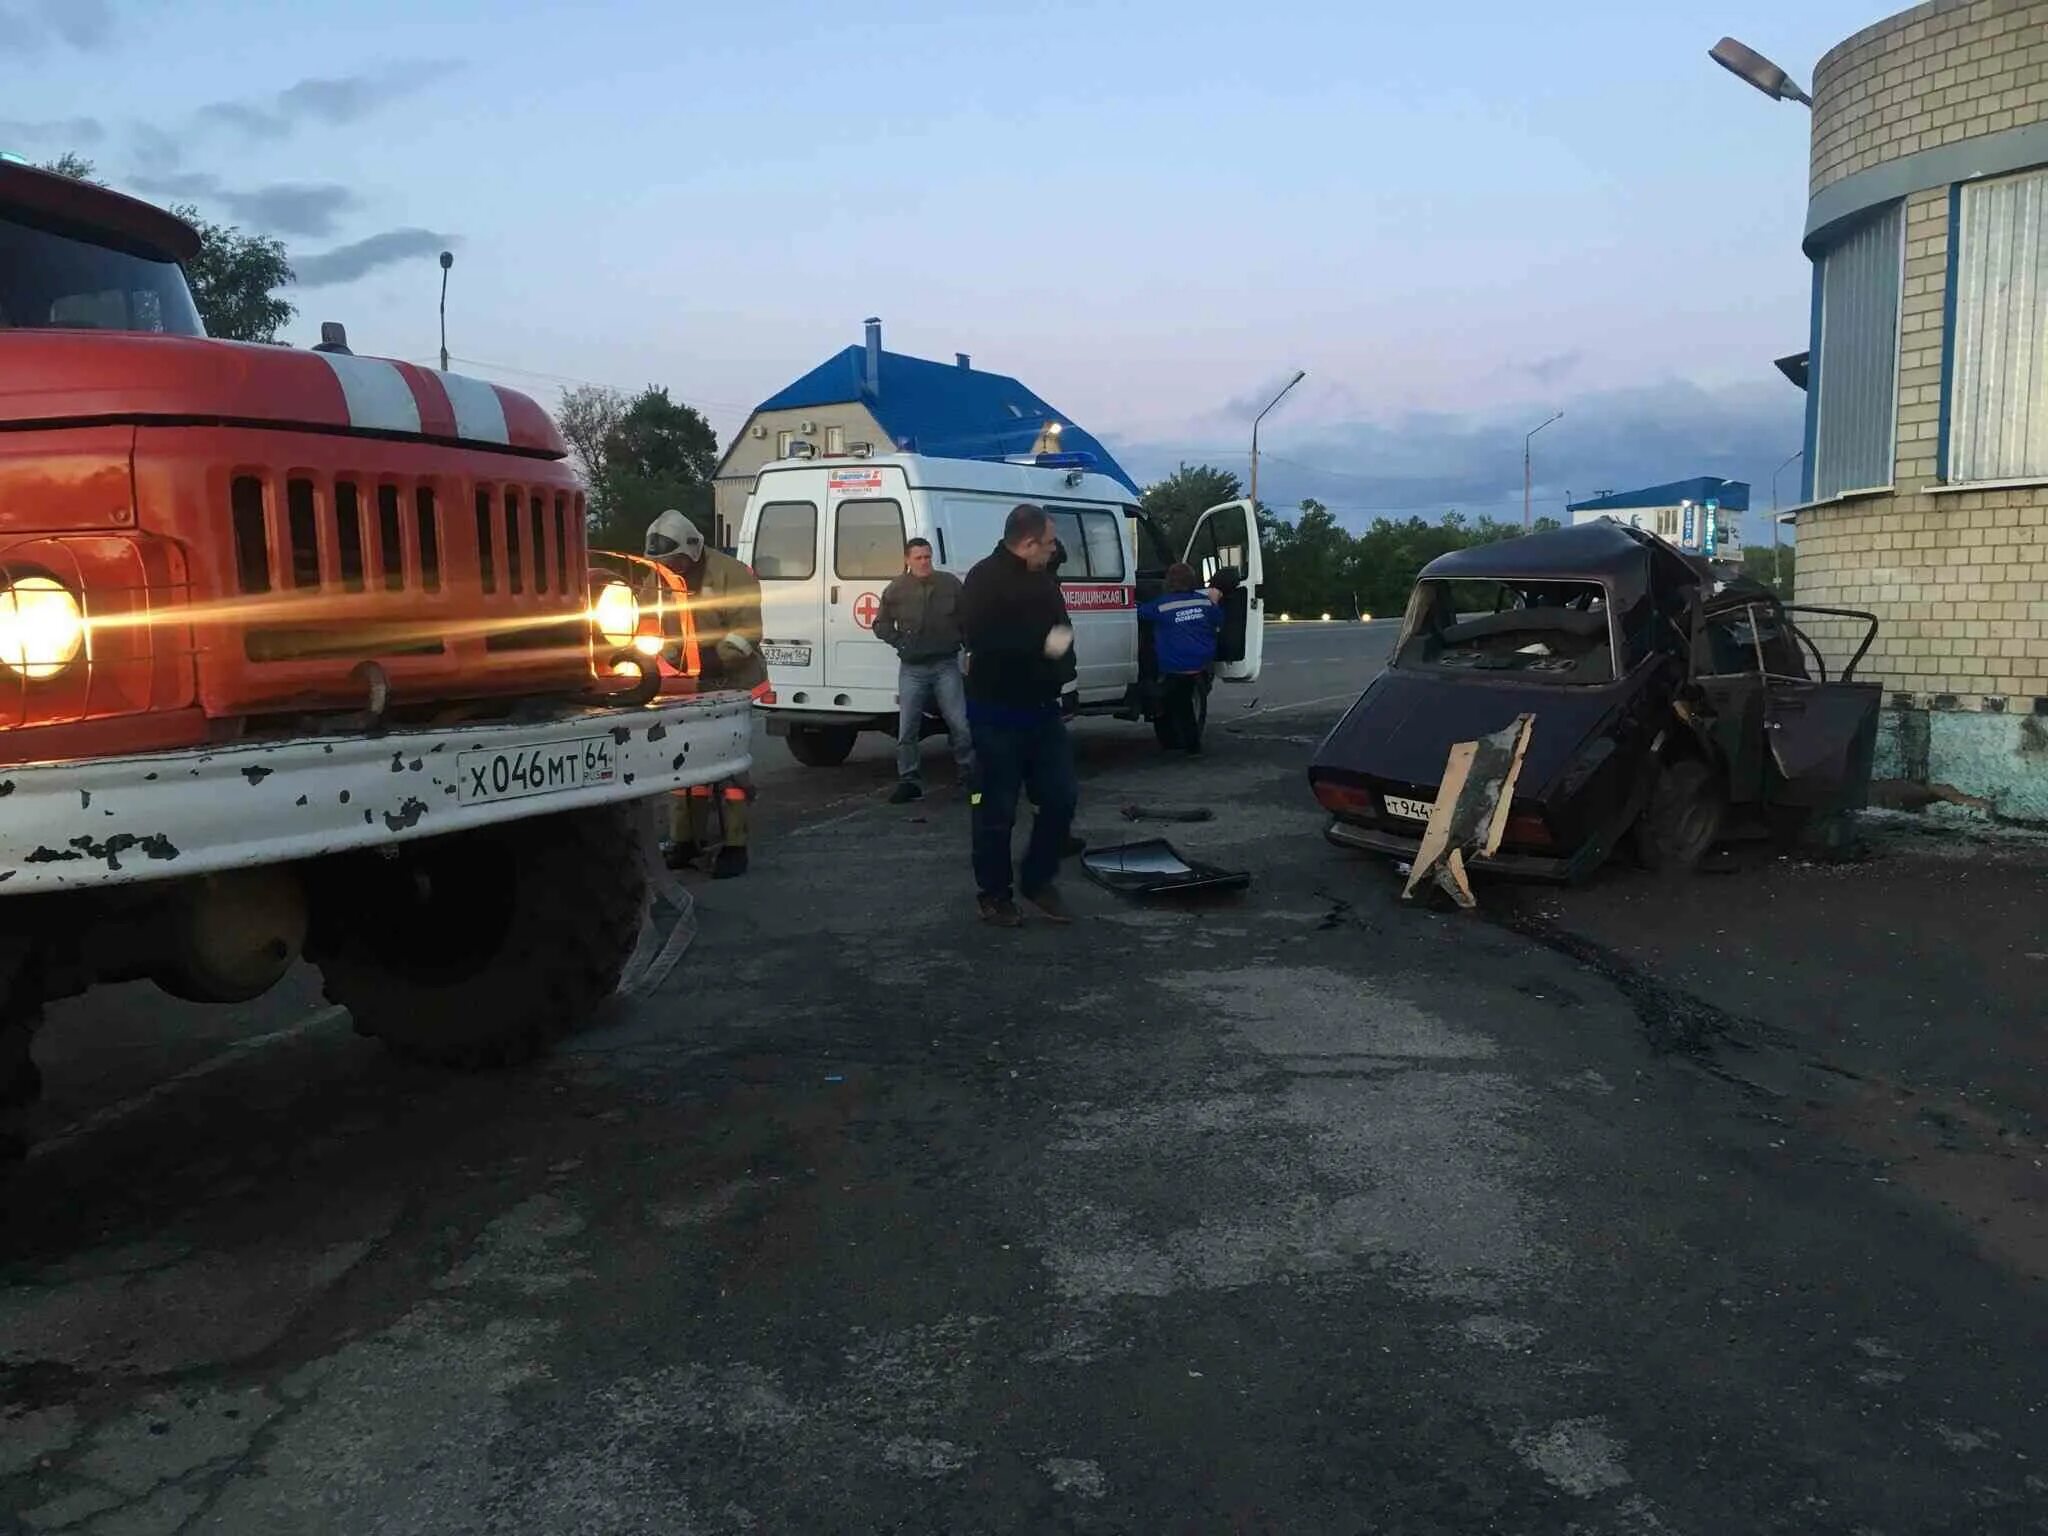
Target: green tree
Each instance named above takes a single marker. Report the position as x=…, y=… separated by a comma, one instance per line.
x=234, y=278
x=588, y=416
x=1178, y=501
x=657, y=454
x=1776, y=569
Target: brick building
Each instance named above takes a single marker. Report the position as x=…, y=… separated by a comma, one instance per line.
x=1926, y=494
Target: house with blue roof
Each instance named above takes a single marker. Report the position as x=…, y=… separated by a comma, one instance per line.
x=865, y=399
x=1676, y=510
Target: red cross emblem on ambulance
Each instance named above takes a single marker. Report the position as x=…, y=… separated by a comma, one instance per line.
x=865, y=607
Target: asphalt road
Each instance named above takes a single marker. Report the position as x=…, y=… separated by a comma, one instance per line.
x=1625, y=1210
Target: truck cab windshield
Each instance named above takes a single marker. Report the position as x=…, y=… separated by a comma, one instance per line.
x=53, y=278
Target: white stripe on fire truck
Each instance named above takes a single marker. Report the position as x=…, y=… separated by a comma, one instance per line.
x=479, y=413
x=379, y=399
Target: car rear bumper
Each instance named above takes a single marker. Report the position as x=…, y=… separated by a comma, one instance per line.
x=1523, y=866
x=117, y=821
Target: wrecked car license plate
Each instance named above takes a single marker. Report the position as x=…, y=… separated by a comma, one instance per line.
x=511, y=773
x=1408, y=810
x=786, y=655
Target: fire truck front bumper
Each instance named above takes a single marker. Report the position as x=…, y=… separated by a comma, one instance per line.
x=120, y=821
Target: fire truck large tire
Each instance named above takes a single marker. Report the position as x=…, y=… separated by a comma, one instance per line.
x=21, y=1080
x=483, y=948
x=821, y=746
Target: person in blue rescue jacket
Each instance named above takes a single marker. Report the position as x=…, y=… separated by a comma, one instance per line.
x=1186, y=623
x=1019, y=641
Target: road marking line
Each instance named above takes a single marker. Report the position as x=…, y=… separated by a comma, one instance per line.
x=1281, y=709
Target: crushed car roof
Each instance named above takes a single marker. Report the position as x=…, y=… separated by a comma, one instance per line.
x=1599, y=551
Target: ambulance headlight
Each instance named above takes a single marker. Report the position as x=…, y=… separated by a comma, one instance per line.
x=42, y=628
x=616, y=613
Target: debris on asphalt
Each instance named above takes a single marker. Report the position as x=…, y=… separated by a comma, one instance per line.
x=1155, y=868
x=1168, y=813
x=1471, y=810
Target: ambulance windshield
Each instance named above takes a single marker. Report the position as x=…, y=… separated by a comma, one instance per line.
x=53, y=279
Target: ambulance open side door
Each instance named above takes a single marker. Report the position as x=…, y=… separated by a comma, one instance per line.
x=1227, y=537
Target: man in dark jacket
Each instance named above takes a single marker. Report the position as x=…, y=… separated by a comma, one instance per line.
x=920, y=622
x=1018, y=640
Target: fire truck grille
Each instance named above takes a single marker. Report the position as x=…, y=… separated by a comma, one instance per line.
x=320, y=537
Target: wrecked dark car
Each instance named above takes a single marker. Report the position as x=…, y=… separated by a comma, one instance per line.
x=1674, y=702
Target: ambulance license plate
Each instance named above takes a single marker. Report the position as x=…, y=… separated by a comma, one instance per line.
x=513, y=773
x=786, y=655
x=1408, y=810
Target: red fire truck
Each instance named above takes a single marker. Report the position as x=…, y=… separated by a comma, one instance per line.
x=303, y=654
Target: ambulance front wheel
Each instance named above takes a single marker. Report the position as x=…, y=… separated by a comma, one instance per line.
x=821, y=746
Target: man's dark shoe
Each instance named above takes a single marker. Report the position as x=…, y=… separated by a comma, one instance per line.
x=680, y=856
x=999, y=912
x=1073, y=847
x=730, y=862
x=905, y=792
x=1049, y=905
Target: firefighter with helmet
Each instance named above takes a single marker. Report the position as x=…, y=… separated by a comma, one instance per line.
x=725, y=605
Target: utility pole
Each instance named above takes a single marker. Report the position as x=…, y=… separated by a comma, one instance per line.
x=1299, y=375
x=1528, y=480
x=447, y=261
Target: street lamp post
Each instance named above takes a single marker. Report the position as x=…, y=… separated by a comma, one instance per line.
x=1777, y=576
x=447, y=261
x=1528, y=479
x=1299, y=375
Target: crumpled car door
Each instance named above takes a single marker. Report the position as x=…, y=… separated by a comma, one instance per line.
x=1822, y=737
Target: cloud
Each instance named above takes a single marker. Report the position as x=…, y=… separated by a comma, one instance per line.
x=84, y=24
x=1548, y=370
x=289, y=208
x=65, y=132
x=328, y=102
x=1246, y=406
x=87, y=25
x=346, y=263
x=1425, y=464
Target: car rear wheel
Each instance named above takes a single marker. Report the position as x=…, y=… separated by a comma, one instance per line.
x=821, y=746
x=1681, y=819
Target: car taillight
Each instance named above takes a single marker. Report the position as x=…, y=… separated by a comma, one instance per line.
x=131, y=648
x=1527, y=829
x=1344, y=799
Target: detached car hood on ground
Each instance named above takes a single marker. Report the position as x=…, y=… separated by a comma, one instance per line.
x=1404, y=725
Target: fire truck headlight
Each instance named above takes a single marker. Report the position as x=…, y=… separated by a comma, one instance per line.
x=42, y=629
x=616, y=613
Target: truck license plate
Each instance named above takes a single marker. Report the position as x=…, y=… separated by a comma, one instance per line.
x=786, y=655
x=511, y=773
x=1408, y=810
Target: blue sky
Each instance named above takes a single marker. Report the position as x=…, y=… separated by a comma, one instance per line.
x=1457, y=218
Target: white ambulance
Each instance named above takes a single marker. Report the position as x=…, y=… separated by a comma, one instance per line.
x=826, y=535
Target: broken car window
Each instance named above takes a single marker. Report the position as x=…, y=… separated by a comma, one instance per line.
x=1549, y=631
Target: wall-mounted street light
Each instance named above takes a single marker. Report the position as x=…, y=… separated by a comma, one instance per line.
x=1745, y=63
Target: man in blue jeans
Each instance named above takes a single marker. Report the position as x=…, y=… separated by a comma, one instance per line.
x=1018, y=638
x=920, y=621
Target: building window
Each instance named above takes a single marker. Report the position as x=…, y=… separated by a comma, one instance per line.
x=835, y=439
x=1998, y=389
x=1855, y=391
x=782, y=442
